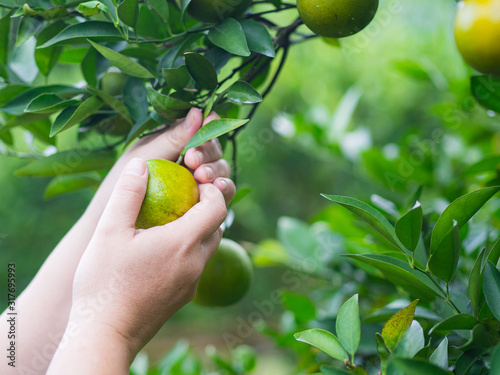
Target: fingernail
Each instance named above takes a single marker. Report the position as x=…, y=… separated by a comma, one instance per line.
x=221, y=184
x=189, y=119
x=210, y=172
x=198, y=155
x=136, y=167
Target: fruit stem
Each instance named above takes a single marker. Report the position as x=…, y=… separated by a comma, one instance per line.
x=180, y=160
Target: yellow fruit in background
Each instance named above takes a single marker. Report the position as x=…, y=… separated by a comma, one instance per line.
x=337, y=18
x=172, y=191
x=112, y=83
x=212, y=11
x=227, y=276
x=477, y=34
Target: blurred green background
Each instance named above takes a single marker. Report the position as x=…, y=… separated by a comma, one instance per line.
x=394, y=97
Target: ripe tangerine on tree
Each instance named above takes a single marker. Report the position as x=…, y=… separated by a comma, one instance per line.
x=337, y=18
x=477, y=34
x=212, y=11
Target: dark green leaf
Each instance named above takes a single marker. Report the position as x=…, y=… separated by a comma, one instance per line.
x=47, y=58
x=459, y=321
x=482, y=337
x=168, y=106
x=139, y=128
x=160, y=7
x=24, y=120
x=27, y=28
x=65, y=184
x=40, y=129
x=114, y=103
x=476, y=284
x=400, y=273
x=67, y=162
x=11, y=91
x=177, y=78
x=150, y=24
x=418, y=367
x=467, y=360
x=201, y=70
x=5, y=39
x=49, y=103
x=135, y=98
x=395, y=327
x=213, y=129
x=17, y=105
x=243, y=92
x=229, y=35
x=6, y=137
x=486, y=90
x=383, y=352
x=369, y=215
x=348, y=325
x=184, y=6
x=495, y=361
x=79, y=33
x=461, y=210
x=443, y=261
x=301, y=306
x=89, y=66
x=488, y=164
x=128, y=11
x=494, y=254
x=258, y=37
x=72, y=116
x=126, y=65
x=491, y=288
x=324, y=341
x=409, y=226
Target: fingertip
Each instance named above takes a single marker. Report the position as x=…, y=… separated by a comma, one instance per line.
x=193, y=120
x=211, y=116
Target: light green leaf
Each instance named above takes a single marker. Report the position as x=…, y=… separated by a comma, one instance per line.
x=461, y=210
x=213, y=129
x=491, y=288
x=348, y=325
x=324, y=341
x=49, y=103
x=27, y=28
x=68, y=183
x=369, y=215
x=488, y=164
x=301, y=306
x=201, y=70
x=476, y=284
x=92, y=8
x=409, y=226
x=229, y=35
x=167, y=106
x=418, y=367
x=412, y=341
x=440, y=356
x=128, y=11
x=243, y=92
x=395, y=327
x=443, y=261
x=160, y=7
x=79, y=33
x=23, y=120
x=67, y=162
x=114, y=103
x=258, y=37
x=123, y=63
x=72, y=116
x=47, y=58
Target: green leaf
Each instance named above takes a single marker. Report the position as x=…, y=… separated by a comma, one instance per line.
x=184, y=6
x=213, y=129
x=67, y=183
x=258, y=38
x=369, y=215
x=128, y=11
x=11, y=91
x=139, y=128
x=201, y=70
x=443, y=261
x=491, y=288
x=476, y=283
x=135, y=98
x=177, y=78
x=400, y=273
x=462, y=209
x=23, y=120
x=440, y=356
x=301, y=306
x=383, y=352
x=6, y=137
x=49, y=103
x=40, y=129
x=79, y=33
x=114, y=103
x=324, y=341
x=89, y=67
x=92, y=8
x=47, y=58
x=72, y=116
x=17, y=105
x=167, y=106
x=160, y=7
x=395, y=327
x=348, y=325
x=243, y=92
x=123, y=63
x=67, y=162
x=495, y=361
x=409, y=226
x=5, y=39
x=485, y=90
x=411, y=343
x=488, y=164
x=418, y=367
x=241, y=193
x=494, y=254
x=229, y=36
x=455, y=322
x=27, y=28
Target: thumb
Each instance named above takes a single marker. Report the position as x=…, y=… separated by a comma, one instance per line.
x=126, y=199
x=179, y=136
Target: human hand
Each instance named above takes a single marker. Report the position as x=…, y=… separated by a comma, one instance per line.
x=129, y=281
